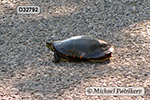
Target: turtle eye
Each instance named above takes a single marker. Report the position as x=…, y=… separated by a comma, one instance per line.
x=50, y=46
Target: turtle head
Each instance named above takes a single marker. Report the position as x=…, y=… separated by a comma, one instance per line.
x=50, y=45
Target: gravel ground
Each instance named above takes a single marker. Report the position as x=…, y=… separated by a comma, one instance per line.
x=26, y=68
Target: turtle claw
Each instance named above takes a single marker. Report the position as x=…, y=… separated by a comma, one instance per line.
x=57, y=58
x=55, y=61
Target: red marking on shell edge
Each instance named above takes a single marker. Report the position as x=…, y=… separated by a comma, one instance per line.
x=88, y=58
x=105, y=55
x=80, y=57
x=66, y=54
x=74, y=56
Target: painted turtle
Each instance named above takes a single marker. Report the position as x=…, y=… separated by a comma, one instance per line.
x=80, y=48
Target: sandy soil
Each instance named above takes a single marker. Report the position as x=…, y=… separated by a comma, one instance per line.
x=26, y=67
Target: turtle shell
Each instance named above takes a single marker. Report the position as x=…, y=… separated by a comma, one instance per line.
x=83, y=47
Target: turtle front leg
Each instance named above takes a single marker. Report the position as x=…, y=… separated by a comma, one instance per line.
x=57, y=58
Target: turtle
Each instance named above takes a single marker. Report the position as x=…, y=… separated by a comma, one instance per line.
x=80, y=48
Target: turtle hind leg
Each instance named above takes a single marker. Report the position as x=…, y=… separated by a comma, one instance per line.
x=57, y=58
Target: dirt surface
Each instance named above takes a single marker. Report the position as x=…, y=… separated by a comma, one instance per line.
x=26, y=67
